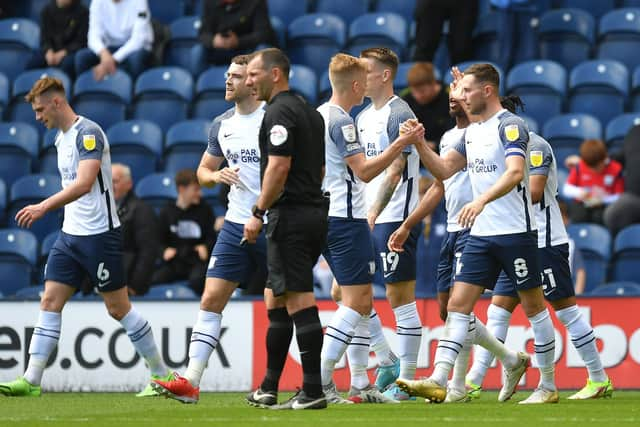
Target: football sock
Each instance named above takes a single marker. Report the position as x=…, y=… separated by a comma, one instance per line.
x=450, y=344
x=204, y=338
x=141, y=336
x=358, y=354
x=44, y=339
x=495, y=347
x=384, y=355
x=409, y=332
x=462, y=361
x=338, y=335
x=544, y=344
x=309, y=336
x=279, y=336
x=497, y=325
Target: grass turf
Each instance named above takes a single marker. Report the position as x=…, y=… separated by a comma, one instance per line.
x=229, y=409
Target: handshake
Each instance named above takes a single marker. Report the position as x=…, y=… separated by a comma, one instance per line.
x=411, y=132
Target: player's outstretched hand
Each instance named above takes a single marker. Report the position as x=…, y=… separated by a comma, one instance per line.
x=397, y=239
x=29, y=214
x=252, y=229
x=469, y=213
x=455, y=88
x=228, y=175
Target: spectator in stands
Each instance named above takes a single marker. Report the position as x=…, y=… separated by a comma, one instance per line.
x=230, y=27
x=576, y=262
x=430, y=15
x=429, y=101
x=6, y=9
x=593, y=183
x=139, y=231
x=186, y=235
x=511, y=16
x=120, y=35
x=63, y=31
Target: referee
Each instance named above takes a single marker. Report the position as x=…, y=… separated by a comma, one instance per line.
x=292, y=169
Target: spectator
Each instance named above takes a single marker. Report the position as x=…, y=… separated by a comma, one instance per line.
x=593, y=183
x=186, y=235
x=430, y=15
x=6, y=9
x=230, y=27
x=429, y=101
x=120, y=34
x=63, y=31
x=139, y=231
x=576, y=262
x=513, y=18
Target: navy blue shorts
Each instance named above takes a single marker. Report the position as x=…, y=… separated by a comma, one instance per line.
x=98, y=256
x=555, y=271
x=349, y=251
x=484, y=257
x=395, y=266
x=450, y=253
x=235, y=263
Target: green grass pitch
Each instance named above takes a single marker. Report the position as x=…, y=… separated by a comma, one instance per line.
x=229, y=409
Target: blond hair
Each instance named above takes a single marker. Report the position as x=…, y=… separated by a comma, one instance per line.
x=343, y=68
x=44, y=85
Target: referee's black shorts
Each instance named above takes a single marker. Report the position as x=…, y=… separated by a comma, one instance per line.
x=296, y=236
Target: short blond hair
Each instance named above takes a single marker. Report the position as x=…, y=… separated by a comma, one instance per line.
x=342, y=69
x=44, y=85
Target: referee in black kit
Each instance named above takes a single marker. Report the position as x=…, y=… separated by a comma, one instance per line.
x=292, y=169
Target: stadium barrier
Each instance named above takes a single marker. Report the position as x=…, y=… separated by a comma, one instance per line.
x=94, y=353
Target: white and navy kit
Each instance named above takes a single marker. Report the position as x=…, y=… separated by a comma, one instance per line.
x=376, y=130
x=349, y=250
x=553, y=242
x=457, y=193
x=503, y=236
x=234, y=136
x=90, y=242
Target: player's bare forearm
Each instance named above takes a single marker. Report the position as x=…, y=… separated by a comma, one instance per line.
x=207, y=169
x=507, y=181
x=376, y=165
x=275, y=175
x=389, y=184
x=440, y=167
x=427, y=204
x=86, y=176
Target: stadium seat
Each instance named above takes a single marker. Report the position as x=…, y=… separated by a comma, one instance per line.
x=542, y=85
x=629, y=3
x=594, y=242
x=184, y=36
x=19, y=38
x=531, y=123
x=303, y=81
x=464, y=65
x=3, y=202
x=29, y=293
x=596, y=8
x=313, y=39
x=137, y=144
x=105, y=101
x=619, y=37
x=485, y=38
x=31, y=9
x=348, y=11
x=635, y=90
x=324, y=87
x=162, y=95
x=210, y=88
x=31, y=189
x=566, y=132
x=626, y=254
x=170, y=291
x=18, y=254
x=211, y=195
x=566, y=36
x=599, y=88
x=4, y=94
x=280, y=30
x=287, y=10
x=404, y=8
x=166, y=11
x=20, y=110
x=617, y=289
x=48, y=155
x=618, y=128
x=43, y=254
x=157, y=190
x=18, y=150
x=378, y=29
x=184, y=145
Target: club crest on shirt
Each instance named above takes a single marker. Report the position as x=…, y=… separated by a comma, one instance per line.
x=535, y=157
x=278, y=135
x=89, y=142
x=512, y=132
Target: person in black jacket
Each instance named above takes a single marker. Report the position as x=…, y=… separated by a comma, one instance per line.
x=139, y=231
x=64, y=25
x=186, y=235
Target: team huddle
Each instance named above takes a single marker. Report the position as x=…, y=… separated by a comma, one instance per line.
x=307, y=182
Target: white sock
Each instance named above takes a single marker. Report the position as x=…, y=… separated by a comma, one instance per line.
x=496, y=348
x=358, y=354
x=544, y=344
x=497, y=326
x=450, y=344
x=584, y=340
x=45, y=338
x=336, y=339
x=409, y=332
x=379, y=344
x=141, y=336
x=462, y=361
x=204, y=339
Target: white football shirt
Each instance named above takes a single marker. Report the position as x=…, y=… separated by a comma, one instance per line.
x=457, y=188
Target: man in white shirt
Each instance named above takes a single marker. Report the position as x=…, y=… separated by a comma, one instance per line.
x=120, y=34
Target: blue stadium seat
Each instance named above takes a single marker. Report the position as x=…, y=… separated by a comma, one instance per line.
x=566, y=132
x=210, y=88
x=542, y=85
x=378, y=29
x=626, y=254
x=137, y=144
x=347, y=10
x=19, y=38
x=303, y=81
x=171, y=291
x=324, y=87
x=31, y=189
x=166, y=11
x=32, y=9
x=599, y=88
x=184, y=37
x=185, y=143
x=43, y=254
x=485, y=38
x=3, y=202
x=464, y=65
x=162, y=95
x=157, y=190
x=18, y=253
x=211, y=195
x=48, y=155
x=20, y=110
x=566, y=36
x=29, y=293
x=619, y=36
x=105, y=101
x=287, y=10
x=531, y=123
x=594, y=242
x=596, y=8
x=280, y=30
x=404, y=8
x=313, y=39
x=618, y=128
x=629, y=3
x=4, y=94
x=635, y=90
x=617, y=289
x=18, y=150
